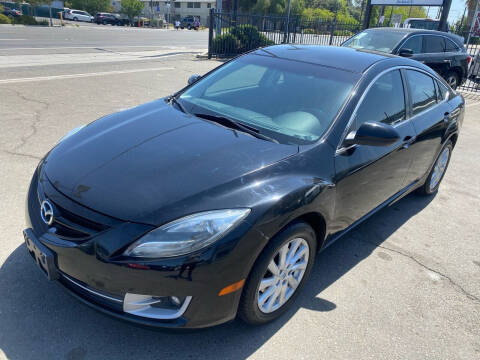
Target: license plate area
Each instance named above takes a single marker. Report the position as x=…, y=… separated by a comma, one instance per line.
x=43, y=257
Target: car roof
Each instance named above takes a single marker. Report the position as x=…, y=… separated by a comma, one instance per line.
x=343, y=58
x=408, y=31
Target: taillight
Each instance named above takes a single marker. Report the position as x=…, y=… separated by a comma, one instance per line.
x=469, y=59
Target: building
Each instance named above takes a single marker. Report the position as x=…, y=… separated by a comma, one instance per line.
x=175, y=9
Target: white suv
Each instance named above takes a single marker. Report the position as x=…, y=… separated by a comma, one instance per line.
x=78, y=15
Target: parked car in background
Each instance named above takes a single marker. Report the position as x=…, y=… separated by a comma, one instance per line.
x=214, y=201
x=11, y=12
x=189, y=23
x=122, y=20
x=78, y=15
x=443, y=52
x=105, y=18
x=421, y=23
x=142, y=20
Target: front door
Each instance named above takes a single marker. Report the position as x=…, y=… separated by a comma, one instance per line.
x=366, y=176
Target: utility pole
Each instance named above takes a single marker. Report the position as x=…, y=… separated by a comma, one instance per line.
x=442, y=26
x=286, y=35
x=368, y=14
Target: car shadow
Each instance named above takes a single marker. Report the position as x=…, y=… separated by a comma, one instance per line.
x=39, y=320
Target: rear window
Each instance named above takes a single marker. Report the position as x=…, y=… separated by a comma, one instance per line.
x=450, y=45
x=433, y=44
x=422, y=90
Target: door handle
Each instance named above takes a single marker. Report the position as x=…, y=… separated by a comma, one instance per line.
x=446, y=116
x=407, y=141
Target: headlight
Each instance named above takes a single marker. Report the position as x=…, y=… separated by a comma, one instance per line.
x=71, y=132
x=187, y=234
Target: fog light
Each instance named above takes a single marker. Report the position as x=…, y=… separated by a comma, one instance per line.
x=155, y=307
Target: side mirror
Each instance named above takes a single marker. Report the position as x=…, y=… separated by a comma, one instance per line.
x=373, y=134
x=193, y=78
x=406, y=52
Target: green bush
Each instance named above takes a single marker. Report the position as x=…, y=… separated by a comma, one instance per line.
x=225, y=44
x=239, y=39
x=249, y=37
x=28, y=20
x=4, y=19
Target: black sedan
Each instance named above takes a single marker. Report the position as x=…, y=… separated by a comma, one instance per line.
x=443, y=52
x=213, y=202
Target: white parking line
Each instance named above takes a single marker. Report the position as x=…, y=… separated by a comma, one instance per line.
x=70, y=76
x=155, y=47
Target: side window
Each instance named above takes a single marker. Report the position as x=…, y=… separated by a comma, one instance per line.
x=450, y=46
x=384, y=102
x=442, y=91
x=414, y=43
x=433, y=44
x=422, y=91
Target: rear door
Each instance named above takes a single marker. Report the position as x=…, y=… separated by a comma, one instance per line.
x=430, y=115
x=367, y=176
x=434, y=54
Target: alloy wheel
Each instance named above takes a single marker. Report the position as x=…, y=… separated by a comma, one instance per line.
x=452, y=81
x=283, y=275
x=439, y=168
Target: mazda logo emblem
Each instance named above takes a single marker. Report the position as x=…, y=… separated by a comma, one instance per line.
x=46, y=212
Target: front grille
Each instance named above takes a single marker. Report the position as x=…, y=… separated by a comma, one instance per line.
x=66, y=225
x=69, y=226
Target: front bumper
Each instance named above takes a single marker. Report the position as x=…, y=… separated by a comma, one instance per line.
x=93, y=272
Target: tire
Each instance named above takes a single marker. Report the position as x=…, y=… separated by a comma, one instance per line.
x=75, y=19
x=249, y=309
x=104, y=23
x=430, y=187
x=452, y=79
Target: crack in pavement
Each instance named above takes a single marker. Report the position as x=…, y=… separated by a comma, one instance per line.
x=452, y=282
x=37, y=114
x=22, y=154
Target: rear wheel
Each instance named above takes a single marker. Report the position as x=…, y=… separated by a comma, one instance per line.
x=278, y=274
x=75, y=19
x=438, y=171
x=452, y=79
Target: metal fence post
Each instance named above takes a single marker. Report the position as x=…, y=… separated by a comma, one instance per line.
x=210, y=33
x=332, y=30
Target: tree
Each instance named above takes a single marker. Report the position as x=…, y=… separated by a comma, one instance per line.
x=90, y=6
x=131, y=8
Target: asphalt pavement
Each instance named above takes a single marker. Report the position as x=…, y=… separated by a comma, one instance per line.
x=403, y=285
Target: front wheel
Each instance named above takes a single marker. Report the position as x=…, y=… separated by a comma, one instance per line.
x=278, y=274
x=438, y=171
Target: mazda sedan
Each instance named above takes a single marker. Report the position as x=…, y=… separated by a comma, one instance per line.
x=213, y=202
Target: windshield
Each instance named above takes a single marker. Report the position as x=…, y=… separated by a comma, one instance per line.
x=290, y=101
x=384, y=41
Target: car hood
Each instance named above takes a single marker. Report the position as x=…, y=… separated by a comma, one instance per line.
x=135, y=164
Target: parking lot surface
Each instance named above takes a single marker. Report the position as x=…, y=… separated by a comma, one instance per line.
x=403, y=285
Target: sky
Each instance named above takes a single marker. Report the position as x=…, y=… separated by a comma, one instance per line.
x=456, y=11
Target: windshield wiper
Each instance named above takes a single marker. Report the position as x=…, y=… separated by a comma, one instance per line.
x=173, y=100
x=225, y=121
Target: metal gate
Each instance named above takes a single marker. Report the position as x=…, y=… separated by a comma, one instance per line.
x=231, y=34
